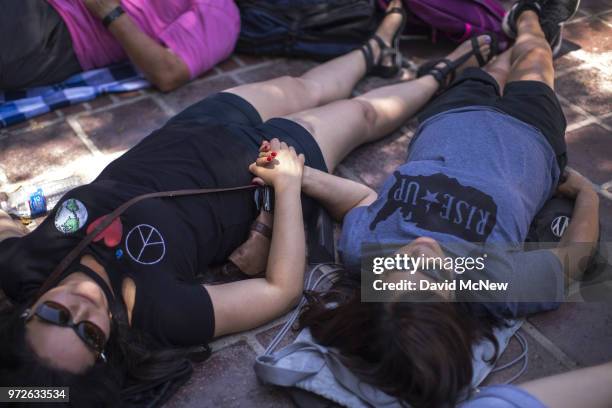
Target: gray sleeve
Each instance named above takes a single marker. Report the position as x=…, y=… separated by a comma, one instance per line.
x=502, y=396
x=534, y=280
x=354, y=229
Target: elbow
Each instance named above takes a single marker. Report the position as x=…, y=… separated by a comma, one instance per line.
x=166, y=83
x=291, y=297
x=168, y=80
x=165, y=87
x=371, y=197
x=294, y=299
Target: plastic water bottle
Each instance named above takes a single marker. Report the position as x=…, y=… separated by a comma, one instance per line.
x=31, y=201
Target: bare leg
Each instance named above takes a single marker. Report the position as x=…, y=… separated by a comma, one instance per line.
x=323, y=84
x=531, y=54
x=499, y=68
x=341, y=126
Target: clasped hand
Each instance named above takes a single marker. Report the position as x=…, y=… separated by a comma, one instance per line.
x=278, y=165
x=574, y=184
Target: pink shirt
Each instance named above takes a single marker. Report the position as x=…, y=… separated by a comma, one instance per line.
x=201, y=32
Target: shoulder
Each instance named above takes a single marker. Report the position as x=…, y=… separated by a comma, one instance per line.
x=17, y=279
x=175, y=313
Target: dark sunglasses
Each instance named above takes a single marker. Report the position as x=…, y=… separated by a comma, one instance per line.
x=57, y=314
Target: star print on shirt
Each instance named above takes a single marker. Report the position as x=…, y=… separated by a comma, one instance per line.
x=440, y=203
x=430, y=198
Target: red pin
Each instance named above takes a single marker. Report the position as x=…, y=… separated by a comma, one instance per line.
x=111, y=234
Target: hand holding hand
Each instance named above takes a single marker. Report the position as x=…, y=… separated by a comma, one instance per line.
x=574, y=184
x=278, y=165
x=100, y=8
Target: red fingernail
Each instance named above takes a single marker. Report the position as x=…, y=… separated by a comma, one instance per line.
x=269, y=159
x=273, y=154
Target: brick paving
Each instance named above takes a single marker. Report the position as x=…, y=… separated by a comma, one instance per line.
x=83, y=139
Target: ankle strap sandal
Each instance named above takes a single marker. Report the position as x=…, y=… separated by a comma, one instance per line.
x=445, y=74
x=387, y=52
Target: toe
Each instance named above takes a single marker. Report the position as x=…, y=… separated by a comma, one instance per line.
x=485, y=50
x=485, y=41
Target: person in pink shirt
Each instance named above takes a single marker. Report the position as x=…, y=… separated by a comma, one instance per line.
x=169, y=41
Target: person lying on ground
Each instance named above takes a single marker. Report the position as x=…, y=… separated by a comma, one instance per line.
x=148, y=261
x=488, y=154
x=170, y=42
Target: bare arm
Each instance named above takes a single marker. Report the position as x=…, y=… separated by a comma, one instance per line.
x=249, y=303
x=589, y=387
x=580, y=238
x=338, y=195
x=159, y=65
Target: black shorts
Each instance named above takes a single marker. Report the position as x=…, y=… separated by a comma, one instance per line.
x=244, y=121
x=35, y=45
x=532, y=102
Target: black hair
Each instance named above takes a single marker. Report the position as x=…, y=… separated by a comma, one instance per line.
x=133, y=359
x=418, y=352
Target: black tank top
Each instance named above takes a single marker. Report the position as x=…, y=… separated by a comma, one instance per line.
x=162, y=244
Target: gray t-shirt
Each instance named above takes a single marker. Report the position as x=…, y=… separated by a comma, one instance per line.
x=472, y=175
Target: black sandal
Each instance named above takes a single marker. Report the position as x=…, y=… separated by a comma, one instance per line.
x=441, y=74
x=386, y=51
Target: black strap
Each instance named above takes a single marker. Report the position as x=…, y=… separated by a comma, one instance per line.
x=450, y=67
x=440, y=73
x=368, y=52
x=368, y=55
x=112, y=16
x=108, y=291
x=493, y=48
x=74, y=253
x=477, y=53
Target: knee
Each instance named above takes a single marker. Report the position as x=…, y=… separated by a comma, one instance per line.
x=368, y=112
x=542, y=52
x=307, y=89
x=305, y=123
x=534, y=49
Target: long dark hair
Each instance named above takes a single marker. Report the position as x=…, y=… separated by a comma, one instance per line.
x=419, y=352
x=133, y=360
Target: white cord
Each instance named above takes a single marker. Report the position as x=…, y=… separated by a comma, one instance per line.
x=326, y=275
x=524, y=356
x=295, y=314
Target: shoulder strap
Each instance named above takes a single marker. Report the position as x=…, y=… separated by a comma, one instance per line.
x=74, y=253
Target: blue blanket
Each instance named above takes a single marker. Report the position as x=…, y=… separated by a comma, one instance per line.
x=19, y=106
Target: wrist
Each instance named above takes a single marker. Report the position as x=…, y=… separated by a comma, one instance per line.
x=588, y=193
x=307, y=177
x=109, y=15
x=287, y=187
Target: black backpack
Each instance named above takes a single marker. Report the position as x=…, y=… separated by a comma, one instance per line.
x=548, y=227
x=318, y=29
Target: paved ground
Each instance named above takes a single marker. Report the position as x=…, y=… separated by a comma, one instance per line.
x=83, y=138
